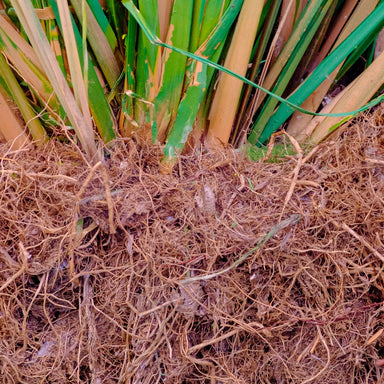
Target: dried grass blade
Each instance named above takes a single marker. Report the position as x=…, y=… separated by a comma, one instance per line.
x=168, y=98
x=13, y=87
x=225, y=102
x=99, y=43
x=10, y=127
x=327, y=66
x=354, y=96
x=32, y=26
x=299, y=123
x=78, y=83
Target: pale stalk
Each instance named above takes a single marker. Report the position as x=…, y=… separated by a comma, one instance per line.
x=79, y=87
x=355, y=95
x=300, y=123
x=11, y=128
x=289, y=47
x=226, y=100
x=32, y=26
x=379, y=44
x=288, y=17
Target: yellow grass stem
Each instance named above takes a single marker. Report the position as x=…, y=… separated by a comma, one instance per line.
x=297, y=34
x=30, y=73
x=19, y=41
x=290, y=10
x=226, y=100
x=334, y=32
x=279, y=38
x=99, y=43
x=379, y=44
x=35, y=128
x=11, y=128
x=301, y=125
x=32, y=26
x=354, y=96
x=78, y=84
x=165, y=7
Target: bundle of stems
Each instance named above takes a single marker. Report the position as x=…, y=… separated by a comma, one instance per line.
x=186, y=73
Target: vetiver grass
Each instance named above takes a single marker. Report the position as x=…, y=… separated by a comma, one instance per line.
x=151, y=69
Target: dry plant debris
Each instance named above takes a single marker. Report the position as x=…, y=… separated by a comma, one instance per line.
x=102, y=270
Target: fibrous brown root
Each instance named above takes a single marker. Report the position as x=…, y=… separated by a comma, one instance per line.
x=92, y=266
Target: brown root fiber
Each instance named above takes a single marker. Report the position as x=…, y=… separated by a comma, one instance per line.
x=111, y=274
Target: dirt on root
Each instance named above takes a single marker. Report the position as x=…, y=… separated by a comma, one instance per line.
x=226, y=271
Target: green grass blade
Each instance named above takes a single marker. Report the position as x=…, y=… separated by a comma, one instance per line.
x=117, y=15
x=30, y=73
x=156, y=41
x=127, y=122
x=147, y=61
x=224, y=23
x=56, y=44
x=100, y=108
x=186, y=114
x=220, y=30
x=79, y=84
x=32, y=26
x=302, y=25
x=99, y=42
x=50, y=27
x=196, y=28
x=301, y=125
x=168, y=98
x=197, y=87
x=315, y=16
x=103, y=22
x=204, y=19
x=33, y=123
x=374, y=21
x=206, y=14
x=149, y=30
x=357, y=54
